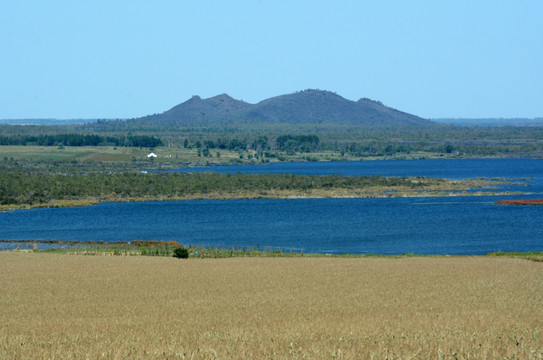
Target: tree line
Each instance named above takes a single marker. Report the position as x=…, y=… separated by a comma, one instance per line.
x=287, y=143
x=355, y=142
x=81, y=140
x=298, y=143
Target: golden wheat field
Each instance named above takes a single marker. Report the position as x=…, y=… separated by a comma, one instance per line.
x=56, y=306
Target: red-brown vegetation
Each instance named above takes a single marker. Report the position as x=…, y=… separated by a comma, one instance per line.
x=520, y=202
x=151, y=243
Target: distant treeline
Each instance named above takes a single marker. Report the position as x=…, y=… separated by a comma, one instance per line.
x=365, y=146
x=279, y=140
x=287, y=143
x=301, y=143
x=387, y=148
x=80, y=140
x=227, y=143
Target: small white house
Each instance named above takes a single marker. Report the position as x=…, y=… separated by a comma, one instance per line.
x=152, y=155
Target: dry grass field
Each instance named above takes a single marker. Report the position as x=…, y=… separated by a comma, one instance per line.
x=57, y=306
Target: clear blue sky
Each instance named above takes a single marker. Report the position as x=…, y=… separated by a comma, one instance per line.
x=121, y=59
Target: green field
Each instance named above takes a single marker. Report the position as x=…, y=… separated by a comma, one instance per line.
x=121, y=154
x=97, y=153
x=174, y=155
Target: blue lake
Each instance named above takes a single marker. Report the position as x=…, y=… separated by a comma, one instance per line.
x=452, y=225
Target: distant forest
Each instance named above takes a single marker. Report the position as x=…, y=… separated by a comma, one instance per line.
x=281, y=140
x=504, y=143
x=360, y=142
x=80, y=140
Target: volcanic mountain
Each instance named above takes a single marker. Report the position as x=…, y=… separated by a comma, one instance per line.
x=304, y=107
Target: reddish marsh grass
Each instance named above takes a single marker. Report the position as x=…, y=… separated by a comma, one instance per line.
x=520, y=202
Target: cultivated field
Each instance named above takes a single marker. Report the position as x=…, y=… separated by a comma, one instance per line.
x=74, y=306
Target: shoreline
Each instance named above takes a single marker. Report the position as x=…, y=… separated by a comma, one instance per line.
x=255, y=196
x=166, y=249
x=451, y=188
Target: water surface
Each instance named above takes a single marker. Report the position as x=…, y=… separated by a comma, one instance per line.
x=451, y=225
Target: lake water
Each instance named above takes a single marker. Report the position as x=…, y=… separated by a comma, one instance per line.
x=452, y=225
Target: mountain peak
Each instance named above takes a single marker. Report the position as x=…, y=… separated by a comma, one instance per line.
x=221, y=97
x=193, y=99
x=309, y=106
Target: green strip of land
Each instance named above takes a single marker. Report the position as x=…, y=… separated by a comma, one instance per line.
x=43, y=185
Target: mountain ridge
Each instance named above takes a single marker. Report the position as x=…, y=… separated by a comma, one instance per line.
x=302, y=107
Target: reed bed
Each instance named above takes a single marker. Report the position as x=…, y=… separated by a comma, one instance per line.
x=106, y=307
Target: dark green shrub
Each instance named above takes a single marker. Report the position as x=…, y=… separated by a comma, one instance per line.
x=181, y=253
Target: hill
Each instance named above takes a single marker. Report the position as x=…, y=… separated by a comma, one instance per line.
x=304, y=107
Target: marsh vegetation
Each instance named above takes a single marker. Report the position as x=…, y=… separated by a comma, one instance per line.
x=73, y=184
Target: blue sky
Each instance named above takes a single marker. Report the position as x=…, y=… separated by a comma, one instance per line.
x=123, y=59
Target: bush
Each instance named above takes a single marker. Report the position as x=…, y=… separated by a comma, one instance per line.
x=181, y=253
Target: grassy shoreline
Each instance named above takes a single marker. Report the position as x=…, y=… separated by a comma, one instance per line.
x=255, y=195
x=409, y=187
x=166, y=249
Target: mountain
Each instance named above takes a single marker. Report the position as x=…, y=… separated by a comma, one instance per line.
x=304, y=107
x=215, y=108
